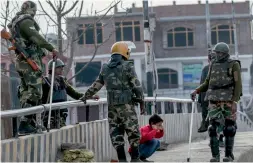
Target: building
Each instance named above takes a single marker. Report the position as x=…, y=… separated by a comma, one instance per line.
x=179, y=42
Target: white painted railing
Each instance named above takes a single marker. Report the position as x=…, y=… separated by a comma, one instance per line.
x=43, y=147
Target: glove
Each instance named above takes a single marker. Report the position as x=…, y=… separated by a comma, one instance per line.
x=83, y=98
x=95, y=97
x=142, y=107
x=55, y=54
x=193, y=95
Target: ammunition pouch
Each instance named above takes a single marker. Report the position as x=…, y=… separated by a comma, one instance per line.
x=221, y=87
x=118, y=97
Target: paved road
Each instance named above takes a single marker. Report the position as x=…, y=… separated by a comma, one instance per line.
x=200, y=151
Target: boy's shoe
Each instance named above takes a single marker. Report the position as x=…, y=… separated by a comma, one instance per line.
x=145, y=160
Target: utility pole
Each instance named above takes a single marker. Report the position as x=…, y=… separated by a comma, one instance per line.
x=208, y=28
x=148, y=54
x=234, y=29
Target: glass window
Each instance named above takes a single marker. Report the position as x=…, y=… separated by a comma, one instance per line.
x=222, y=33
x=128, y=31
x=88, y=75
x=180, y=37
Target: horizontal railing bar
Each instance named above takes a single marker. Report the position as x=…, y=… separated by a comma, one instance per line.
x=76, y=103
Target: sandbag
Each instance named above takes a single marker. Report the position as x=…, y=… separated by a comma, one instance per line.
x=70, y=152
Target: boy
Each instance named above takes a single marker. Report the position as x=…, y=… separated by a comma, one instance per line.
x=150, y=134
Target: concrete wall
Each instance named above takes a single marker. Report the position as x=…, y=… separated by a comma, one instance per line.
x=43, y=147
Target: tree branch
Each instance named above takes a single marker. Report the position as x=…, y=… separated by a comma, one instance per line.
x=96, y=47
x=81, y=9
x=52, y=18
x=51, y=5
x=64, y=4
x=71, y=8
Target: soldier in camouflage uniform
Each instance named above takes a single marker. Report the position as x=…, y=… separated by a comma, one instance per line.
x=26, y=31
x=202, y=95
x=123, y=90
x=224, y=88
x=61, y=89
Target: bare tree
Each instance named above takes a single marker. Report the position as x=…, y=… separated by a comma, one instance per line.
x=96, y=46
x=72, y=36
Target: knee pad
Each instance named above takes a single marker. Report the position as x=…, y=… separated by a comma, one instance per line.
x=229, y=131
x=212, y=131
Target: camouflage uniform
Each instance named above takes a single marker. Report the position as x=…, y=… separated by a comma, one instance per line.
x=61, y=89
x=203, y=103
x=223, y=88
x=24, y=29
x=122, y=84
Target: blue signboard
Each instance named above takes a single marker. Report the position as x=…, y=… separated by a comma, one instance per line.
x=191, y=75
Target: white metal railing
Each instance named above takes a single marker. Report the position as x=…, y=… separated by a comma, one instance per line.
x=38, y=110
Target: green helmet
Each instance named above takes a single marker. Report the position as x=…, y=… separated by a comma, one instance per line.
x=58, y=63
x=29, y=7
x=221, y=47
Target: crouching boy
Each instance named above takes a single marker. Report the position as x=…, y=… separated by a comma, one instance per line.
x=150, y=134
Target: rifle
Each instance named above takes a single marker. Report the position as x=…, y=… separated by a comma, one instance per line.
x=7, y=36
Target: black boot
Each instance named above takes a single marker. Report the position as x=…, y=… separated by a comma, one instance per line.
x=135, y=156
x=203, y=127
x=121, y=154
x=229, y=144
x=25, y=128
x=214, y=144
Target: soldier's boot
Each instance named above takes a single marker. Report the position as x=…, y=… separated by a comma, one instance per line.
x=214, y=144
x=121, y=154
x=221, y=142
x=229, y=144
x=25, y=128
x=203, y=127
x=135, y=155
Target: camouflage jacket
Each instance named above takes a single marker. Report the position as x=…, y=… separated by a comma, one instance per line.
x=121, y=82
x=223, y=82
x=25, y=29
x=202, y=95
x=61, y=86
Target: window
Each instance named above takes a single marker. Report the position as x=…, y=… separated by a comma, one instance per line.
x=88, y=75
x=180, y=37
x=128, y=31
x=167, y=78
x=88, y=32
x=222, y=33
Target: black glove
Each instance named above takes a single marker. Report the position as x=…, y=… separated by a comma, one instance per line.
x=83, y=98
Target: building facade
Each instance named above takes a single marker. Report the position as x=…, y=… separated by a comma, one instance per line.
x=179, y=42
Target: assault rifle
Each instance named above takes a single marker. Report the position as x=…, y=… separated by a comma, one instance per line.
x=7, y=36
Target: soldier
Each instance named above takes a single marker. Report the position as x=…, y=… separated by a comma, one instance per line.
x=224, y=88
x=123, y=91
x=61, y=89
x=201, y=98
x=25, y=30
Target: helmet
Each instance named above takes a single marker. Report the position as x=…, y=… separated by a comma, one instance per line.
x=121, y=48
x=221, y=47
x=58, y=63
x=29, y=7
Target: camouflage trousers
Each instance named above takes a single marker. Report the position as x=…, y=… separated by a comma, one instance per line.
x=219, y=112
x=123, y=118
x=30, y=89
